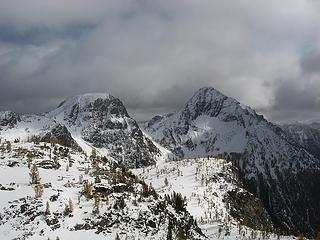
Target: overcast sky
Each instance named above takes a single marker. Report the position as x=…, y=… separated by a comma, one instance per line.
x=154, y=54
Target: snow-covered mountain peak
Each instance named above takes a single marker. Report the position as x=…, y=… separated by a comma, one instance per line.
x=209, y=123
x=92, y=120
x=103, y=121
x=209, y=101
x=85, y=99
x=212, y=124
x=206, y=94
x=80, y=103
x=208, y=91
x=205, y=101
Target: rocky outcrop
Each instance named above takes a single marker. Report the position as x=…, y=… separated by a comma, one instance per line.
x=248, y=210
x=60, y=134
x=9, y=119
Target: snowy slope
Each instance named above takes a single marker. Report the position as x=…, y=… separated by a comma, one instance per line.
x=117, y=203
x=26, y=126
x=206, y=183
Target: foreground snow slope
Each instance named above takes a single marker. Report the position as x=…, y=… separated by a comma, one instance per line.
x=205, y=182
x=116, y=203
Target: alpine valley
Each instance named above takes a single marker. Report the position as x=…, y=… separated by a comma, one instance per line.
x=214, y=169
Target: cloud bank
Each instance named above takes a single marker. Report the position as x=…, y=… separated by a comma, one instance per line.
x=154, y=54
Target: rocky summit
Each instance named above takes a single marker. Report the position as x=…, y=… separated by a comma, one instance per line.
x=102, y=121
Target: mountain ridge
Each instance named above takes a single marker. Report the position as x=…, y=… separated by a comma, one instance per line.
x=271, y=164
x=94, y=120
x=306, y=135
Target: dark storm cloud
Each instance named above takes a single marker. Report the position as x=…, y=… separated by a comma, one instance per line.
x=38, y=36
x=155, y=54
x=291, y=96
x=297, y=101
x=310, y=60
x=298, y=97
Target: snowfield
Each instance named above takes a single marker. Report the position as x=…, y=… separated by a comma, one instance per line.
x=128, y=210
x=205, y=183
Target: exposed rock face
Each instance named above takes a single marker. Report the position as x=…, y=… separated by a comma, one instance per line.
x=9, y=119
x=60, y=134
x=103, y=121
x=48, y=164
x=271, y=165
x=249, y=210
x=306, y=135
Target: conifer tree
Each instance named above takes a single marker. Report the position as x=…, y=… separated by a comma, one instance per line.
x=121, y=203
x=69, y=161
x=68, y=210
x=8, y=147
x=81, y=179
x=106, y=199
x=169, y=234
x=20, y=151
x=181, y=234
x=117, y=237
x=35, y=139
x=93, y=154
x=34, y=175
x=96, y=200
x=47, y=212
x=2, y=148
x=71, y=208
x=166, y=182
x=87, y=190
x=38, y=189
x=29, y=156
